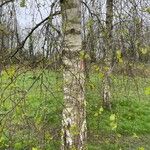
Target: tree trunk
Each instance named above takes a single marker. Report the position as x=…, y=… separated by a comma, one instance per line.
x=109, y=55
x=74, y=113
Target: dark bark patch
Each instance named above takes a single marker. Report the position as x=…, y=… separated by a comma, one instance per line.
x=72, y=31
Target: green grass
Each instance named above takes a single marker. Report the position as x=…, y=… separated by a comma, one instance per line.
x=31, y=106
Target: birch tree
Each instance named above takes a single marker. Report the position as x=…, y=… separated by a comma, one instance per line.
x=74, y=114
x=109, y=54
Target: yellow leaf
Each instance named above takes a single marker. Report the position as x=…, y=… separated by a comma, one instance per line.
x=120, y=60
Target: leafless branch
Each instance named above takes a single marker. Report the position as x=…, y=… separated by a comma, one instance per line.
x=21, y=45
x=6, y=2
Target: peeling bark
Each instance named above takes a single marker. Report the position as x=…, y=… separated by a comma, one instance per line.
x=74, y=114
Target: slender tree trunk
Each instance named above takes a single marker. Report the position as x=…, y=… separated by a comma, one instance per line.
x=74, y=114
x=109, y=55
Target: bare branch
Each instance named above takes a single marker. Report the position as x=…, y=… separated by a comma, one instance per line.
x=6, y=2
x=21, y=45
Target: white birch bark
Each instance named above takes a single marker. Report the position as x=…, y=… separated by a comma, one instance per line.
x=109, y=55
x=74, y=114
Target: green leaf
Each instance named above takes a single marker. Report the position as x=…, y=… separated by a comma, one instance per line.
x=48, y=136
x=96, y=114
x=34, y=148
x=147, y=91
x=11, y=71
x=101, y=110
x=87, y=56
x=135, y=135
x=82, y=54
x=74, y=129
x=113, y=125
x=119, y=57
x=147, y=10
x=101, y=75
x=141, y=148
x=144, y=51
x=18, y=145
x=112, y=117
x=119, y=135
x=23, y=3
x=90, y=23
x=91, y=85
x=96, y=67
x=2, y=139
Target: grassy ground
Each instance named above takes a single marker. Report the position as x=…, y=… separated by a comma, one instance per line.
x=131, y=107
x=30, y=112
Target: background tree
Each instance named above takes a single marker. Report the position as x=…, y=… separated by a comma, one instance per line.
x=109, y=55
